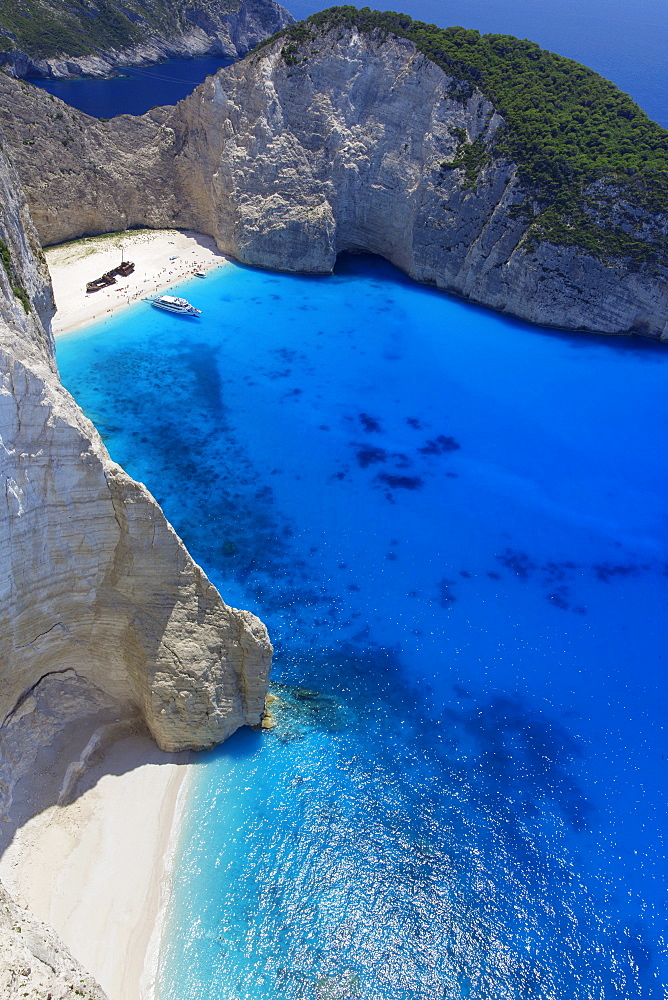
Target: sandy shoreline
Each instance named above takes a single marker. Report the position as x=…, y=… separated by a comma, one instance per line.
x=73, y=264
x=98, y=869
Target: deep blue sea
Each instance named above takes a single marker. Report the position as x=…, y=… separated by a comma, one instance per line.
x=454, y=526
x=624, y=40
x=135, y=89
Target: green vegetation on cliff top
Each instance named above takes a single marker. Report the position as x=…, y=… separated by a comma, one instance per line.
x=566, y=127
x=44, y=28
x=15, y=282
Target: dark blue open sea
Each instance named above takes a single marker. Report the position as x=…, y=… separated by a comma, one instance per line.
x=135, y=89
x=454, y=525
x=624, y=40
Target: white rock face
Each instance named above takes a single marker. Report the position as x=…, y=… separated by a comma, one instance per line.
x=94, y=578
x=34, y=963
x=286, y=165
x=105, y=620
x=289, y=164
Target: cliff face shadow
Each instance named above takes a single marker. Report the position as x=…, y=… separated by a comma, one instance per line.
x=61, y=742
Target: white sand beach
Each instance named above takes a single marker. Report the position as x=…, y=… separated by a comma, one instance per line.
x=161, y=257
x=98, y=869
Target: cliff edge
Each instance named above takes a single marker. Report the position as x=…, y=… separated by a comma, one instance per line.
x=48, y=38
x=34, y=963
x=342, y=133
x=95, y=580
x=105, y=620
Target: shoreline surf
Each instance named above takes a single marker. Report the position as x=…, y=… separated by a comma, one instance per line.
x=99, y=868
x=162, y=257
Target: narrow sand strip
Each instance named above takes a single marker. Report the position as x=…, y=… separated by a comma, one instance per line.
x=151, y=250
x=98, y=870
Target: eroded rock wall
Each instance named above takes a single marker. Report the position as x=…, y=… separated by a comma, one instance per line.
x=94, y=578
x=350, y=147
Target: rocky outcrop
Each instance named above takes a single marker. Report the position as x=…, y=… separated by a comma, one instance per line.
x=227, y=28
x=34, y=962
x=354, y=145
x=94, y=579
x=105, y=620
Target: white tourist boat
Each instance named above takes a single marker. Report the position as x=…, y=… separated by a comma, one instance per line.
x=174, y=304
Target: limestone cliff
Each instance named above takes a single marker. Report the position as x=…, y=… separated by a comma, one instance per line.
x=359, y=142
x=105, y=620
x=45, y=38
x=95, y=580
x=34, y=963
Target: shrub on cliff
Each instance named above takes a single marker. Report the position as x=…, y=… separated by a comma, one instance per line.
x=566, y=127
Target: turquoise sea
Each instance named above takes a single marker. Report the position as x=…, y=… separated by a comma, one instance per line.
x=454, y=526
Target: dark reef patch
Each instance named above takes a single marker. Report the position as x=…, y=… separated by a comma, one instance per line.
x=441, y=445
x=370, y=424
x=400, y=482
x=606, y=571
x=369, y=455
x=518, y=562
x=559, y=598
x=556, y=571
x=445, y=595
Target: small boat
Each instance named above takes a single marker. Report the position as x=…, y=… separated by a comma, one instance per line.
x=200, y=274
x=175, y=305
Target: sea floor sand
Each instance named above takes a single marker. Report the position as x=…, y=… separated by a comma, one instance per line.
x=161, y=257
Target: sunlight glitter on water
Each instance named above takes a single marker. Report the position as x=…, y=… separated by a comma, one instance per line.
x=454, y=527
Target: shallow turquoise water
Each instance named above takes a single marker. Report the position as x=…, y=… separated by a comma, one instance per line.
x=454, y=526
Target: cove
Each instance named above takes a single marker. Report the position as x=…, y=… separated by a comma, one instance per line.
x=135, y=89
x=453, y=525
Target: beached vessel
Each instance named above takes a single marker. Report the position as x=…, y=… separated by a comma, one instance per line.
x=103, y=282
x=174, y=304
x=124, y=269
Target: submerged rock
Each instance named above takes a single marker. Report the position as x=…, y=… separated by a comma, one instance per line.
x=296, y=711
